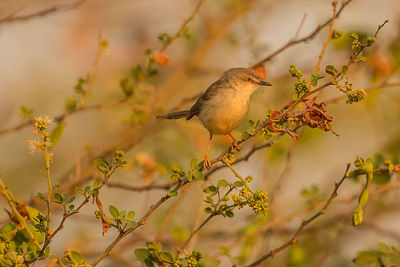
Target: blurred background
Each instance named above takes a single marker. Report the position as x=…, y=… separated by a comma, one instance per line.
x=42, y=58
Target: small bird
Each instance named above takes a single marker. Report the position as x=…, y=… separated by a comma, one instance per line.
x=224, y=105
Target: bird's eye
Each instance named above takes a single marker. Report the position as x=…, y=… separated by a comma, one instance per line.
x=249, y=79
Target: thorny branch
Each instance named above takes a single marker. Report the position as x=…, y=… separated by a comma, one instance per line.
x=303, y=225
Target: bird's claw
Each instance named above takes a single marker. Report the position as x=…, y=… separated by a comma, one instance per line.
x=235, y=146
x=206, y=162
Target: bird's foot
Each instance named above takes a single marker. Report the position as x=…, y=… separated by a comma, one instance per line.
x=206, y=162
x=235, y=145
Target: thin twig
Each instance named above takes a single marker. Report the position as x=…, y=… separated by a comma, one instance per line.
x=279, y=221
x=183, y=26
x=376, y=87
x=92, y=76
x=140, y=223
x=307, y=38
x=317, y=67
x=304, y=223
x=58, y=8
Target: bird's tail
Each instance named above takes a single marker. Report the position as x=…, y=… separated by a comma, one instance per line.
x=175, y=115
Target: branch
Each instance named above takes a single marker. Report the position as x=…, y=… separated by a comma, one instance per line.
x=384, y=84
x=142, y=188
x=22, y=220
x=58, y=8
x=304, y=223
x=278, y=221
x=101, y=46
x=141, y=222
x=183, y=26
x=307, y=38
x=317, y=68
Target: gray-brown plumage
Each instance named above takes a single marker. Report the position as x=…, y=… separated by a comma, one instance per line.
x=224, y=104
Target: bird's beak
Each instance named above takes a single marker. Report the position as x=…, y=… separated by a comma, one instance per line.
x=264, y=83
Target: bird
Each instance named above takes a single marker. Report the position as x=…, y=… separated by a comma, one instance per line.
x=224, y=105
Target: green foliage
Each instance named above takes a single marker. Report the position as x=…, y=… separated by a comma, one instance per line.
x=16, y=247
x=300, y=86
x=107, y=167
x=56, y=134
x=314, y=78
x=154, y=255
x=331, y=70
x=195, y=171
x=177, y=174
x=375, y=170
x=75, y=259
x=120, y=219
x=384, y=256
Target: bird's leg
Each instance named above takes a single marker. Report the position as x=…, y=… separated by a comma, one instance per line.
x=207, y=162
x=234, y=143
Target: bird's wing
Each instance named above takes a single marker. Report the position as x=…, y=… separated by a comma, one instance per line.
x=211, y=90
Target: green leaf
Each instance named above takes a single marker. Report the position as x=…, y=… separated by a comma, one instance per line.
x=96, y=183
x=190, y=176
x=77, y=257
x=238, y=184
x=331, y=70
x=166, y=257
x=208, y=210
x=149, y=263
x=131, y=215
x=210, y=189
x=345, y=68
x=198, y=175
x=229, y=213
x=142, y=254
x=113, y=211
x=382, y=177
x=366, y=257
x=222, y=183
x=56, y=134
x=70, y=200
x=58, y=198
x=314, y=78
x=173, y=193
x=383, y=248
x=193, y=164
x=154, y=246
x=102, y=165
x=357, y=217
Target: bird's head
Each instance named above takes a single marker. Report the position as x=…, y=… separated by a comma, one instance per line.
x=244, y=79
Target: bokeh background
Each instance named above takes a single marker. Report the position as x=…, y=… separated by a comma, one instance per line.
x=42, y=58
